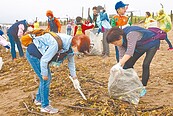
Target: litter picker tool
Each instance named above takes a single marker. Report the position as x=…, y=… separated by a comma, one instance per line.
x=83, y=96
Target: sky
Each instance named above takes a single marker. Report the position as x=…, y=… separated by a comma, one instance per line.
x=12, y=10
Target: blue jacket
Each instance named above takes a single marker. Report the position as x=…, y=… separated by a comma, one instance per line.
x=103, y=21
x=146, y=34
x=53, y=26
x=48, y=47
x=13, y=30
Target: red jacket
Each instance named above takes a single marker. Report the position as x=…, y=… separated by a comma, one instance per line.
x=84, y=27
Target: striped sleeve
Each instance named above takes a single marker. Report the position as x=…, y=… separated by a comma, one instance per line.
x=132, y=39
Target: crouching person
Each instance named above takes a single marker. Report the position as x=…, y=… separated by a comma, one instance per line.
x=133, y=42
x=41, y=50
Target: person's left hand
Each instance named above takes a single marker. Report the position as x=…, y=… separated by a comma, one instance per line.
x=45, y=78
x=76, y=83
x=116, y=67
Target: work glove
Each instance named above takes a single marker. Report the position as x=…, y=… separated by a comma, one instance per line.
x=76, y=83
x=117, y=67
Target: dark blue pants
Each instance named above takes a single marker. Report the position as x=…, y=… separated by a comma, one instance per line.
x=146, y=63
x=19, y=46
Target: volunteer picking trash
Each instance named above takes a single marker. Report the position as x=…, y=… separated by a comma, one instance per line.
x=47, y=48
x=133, y=42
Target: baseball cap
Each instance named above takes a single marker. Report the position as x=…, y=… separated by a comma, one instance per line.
x=120, y=4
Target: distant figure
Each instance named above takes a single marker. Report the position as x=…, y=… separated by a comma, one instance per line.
x=36, y=25
x=81, y=27
x=104, y=26
x=149, y=21
x=69, y=28
x=120, y=20
x=93, y=17
x=165, y=24
x=17, y=21
x=15, y=32
x=53, y=22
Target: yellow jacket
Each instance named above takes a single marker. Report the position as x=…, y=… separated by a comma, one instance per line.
x=150, y=22
x=164, y=22
x=36, y=25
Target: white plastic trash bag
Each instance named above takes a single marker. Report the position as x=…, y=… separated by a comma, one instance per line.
x=1, y=63
x=96, y=43
x=125, y=85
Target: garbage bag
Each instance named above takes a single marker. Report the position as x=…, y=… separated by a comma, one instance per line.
x=125, y=85
x=96, y=46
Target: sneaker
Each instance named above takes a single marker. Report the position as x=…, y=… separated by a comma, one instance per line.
x=143, y=92
x=49, y=109
x=170, y=48
x=37, y=103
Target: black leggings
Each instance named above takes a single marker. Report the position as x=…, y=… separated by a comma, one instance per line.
x=146, y=63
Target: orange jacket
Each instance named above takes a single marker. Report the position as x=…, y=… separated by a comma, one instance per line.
x=120, y=20
x=57, y=22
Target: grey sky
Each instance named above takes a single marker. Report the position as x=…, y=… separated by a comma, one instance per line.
x=29, y=9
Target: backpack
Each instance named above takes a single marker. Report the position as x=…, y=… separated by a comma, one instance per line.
x=159, y=34
x=39, y=32
x=79, y=30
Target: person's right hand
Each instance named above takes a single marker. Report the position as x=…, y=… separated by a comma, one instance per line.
x=116, y=67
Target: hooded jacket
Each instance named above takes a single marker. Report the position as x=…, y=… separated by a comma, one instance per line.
x=53, y=23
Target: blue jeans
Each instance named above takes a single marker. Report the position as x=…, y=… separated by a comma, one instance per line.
x=43, y=90
x=169, y=43
x=19, y=46
x=68, y=31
